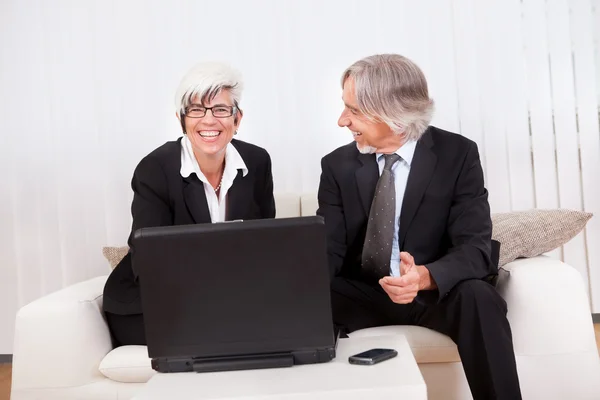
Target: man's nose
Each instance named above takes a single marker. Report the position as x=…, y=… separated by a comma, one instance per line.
x=343, y=121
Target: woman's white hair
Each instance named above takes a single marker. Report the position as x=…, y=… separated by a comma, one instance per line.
x=391, y=88
x=205, y=81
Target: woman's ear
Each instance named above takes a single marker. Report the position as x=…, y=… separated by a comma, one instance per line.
x=181, y=121
x=238, y=118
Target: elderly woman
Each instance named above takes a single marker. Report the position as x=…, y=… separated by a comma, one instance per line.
x=205, y=176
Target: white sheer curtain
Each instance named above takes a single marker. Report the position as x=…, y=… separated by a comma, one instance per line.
x=86, y=90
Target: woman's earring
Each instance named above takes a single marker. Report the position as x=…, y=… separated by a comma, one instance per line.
x=235, y=133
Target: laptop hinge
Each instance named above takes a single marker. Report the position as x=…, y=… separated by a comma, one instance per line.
x=245, y=362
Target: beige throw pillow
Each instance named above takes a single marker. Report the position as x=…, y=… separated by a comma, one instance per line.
x=114, y=255
x=534, y=232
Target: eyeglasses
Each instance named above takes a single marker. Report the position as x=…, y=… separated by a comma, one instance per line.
x=220, y=111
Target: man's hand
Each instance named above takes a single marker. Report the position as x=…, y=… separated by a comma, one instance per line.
x=403, y=289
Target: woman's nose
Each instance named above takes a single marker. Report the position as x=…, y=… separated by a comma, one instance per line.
x=208, y=118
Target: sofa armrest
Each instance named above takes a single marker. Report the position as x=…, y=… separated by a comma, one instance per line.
x=548, y=307
x=61, y=338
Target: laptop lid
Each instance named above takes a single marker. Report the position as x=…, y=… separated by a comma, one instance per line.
x=235, y=288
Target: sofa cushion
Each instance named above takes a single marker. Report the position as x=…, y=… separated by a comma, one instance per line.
x=128, y=364
x=309, y=204
x=428, y=346
x=287, y=205
x=524, y=234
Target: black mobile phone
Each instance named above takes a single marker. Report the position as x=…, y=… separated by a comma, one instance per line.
x=373, y=356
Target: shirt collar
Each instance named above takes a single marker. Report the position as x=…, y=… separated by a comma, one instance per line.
x=189, y=164
x=406, y=151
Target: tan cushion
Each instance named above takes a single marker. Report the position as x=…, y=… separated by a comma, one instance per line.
x=129, y=364
x=114, y=255
x=534, y=232
x=428, y=346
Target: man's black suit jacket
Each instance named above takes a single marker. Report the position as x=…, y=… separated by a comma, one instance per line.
x=163, y=197
x=445, y=220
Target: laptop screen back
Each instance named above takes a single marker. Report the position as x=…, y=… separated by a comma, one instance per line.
x=235, y=288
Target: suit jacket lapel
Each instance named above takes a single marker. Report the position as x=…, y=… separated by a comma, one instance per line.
x=421, y=171
x=237, y=198
x=366, y=178
x=195, y=199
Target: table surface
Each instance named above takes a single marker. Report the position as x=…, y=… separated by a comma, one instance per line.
x=398, y=378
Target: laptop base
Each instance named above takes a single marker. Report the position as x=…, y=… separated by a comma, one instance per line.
x=215, y=364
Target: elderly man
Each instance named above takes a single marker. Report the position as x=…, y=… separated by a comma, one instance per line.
x=409, y=227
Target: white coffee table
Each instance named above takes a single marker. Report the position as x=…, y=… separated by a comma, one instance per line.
x=398, y=378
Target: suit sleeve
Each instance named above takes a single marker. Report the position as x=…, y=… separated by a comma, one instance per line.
x=469, y=229
x=267, y=200
x=150, y=205
x=330, y=208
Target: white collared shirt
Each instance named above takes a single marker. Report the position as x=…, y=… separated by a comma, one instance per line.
x=233, y=163
x=400, y=169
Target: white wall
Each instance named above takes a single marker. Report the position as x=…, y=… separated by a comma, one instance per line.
x=86, y=90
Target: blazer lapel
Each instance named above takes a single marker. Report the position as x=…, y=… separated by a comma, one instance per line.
x=421, y=171
x=366, y=179
x=238, y=199
x=195, y=199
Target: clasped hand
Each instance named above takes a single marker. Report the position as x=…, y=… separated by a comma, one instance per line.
x=404, y=288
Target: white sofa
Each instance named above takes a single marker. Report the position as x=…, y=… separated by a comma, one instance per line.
x=62, y=347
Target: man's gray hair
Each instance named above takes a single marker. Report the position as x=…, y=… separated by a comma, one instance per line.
x=206, y=80
x=392, y=89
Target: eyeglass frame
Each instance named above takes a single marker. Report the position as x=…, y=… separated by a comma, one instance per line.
x=233, y=110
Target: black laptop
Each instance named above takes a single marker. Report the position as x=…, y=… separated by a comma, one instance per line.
x=235, y=295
